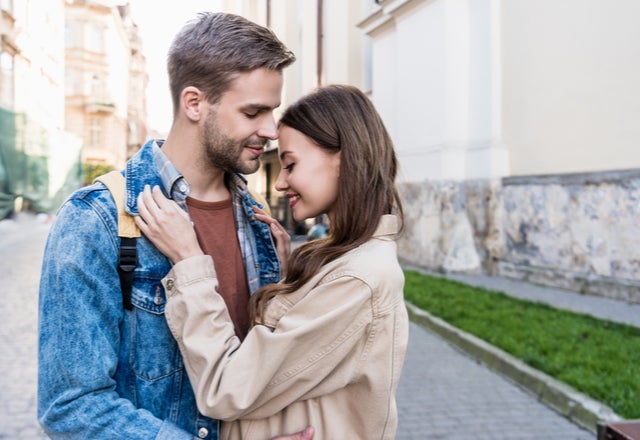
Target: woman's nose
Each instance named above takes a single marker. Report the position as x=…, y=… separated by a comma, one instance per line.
x=281, y=182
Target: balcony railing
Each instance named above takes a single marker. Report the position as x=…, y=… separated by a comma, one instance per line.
x=95, y=106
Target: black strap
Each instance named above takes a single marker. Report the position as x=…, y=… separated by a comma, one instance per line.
x=127, y=261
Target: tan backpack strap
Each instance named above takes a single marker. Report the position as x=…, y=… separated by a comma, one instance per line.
x=115, y=182
x=258, y=198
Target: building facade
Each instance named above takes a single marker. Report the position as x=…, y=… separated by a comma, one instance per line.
x=72, y=91
x=105, y=80
x=515, y=126
x=39, y=159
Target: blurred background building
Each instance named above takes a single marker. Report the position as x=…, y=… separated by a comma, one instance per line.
x=39, y=160
x=72, y=97
x=105, y=76
x=515, y=121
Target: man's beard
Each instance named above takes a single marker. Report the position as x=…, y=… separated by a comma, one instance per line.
x=225, y=153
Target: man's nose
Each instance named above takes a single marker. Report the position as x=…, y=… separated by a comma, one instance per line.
x=268, y=129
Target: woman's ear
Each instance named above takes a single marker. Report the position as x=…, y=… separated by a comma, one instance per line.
x=190, y=100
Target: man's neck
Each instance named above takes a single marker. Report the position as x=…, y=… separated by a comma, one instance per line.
x=208, y=189
x=206, y=183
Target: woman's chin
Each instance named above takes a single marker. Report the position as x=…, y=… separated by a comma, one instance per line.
x=299, y=218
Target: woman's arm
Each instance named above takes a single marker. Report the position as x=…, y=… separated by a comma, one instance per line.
x=314, y=349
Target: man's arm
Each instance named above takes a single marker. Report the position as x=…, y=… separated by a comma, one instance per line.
x=80, y=313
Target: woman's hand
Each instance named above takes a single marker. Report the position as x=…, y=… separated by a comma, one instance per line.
x=281, y=237
x=166, y=225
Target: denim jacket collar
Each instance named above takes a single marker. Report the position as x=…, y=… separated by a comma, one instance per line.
x=254, y=236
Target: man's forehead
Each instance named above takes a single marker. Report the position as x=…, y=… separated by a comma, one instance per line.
x=259, y=87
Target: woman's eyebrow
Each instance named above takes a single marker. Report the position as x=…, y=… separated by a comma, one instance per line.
x=283, y=154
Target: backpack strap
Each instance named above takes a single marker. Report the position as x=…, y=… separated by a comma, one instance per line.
x=128, y=231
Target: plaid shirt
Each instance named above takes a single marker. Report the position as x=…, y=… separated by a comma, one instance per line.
x=177, y=188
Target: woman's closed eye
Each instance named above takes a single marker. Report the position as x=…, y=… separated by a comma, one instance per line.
x=289, y=167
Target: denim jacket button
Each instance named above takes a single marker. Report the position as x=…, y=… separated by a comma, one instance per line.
x=170, y=284
x=158, y=300
x=203, y=432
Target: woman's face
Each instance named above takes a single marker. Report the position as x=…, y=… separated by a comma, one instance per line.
x=309, y=175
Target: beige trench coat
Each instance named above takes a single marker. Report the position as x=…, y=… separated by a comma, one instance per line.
x=329, y=356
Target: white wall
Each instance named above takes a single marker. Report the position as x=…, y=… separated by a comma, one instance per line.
x=571, y=88
x=489, y=88
x=434, y=67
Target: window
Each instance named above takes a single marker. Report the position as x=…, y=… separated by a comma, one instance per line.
x=95, y=133
x=72, y=83
x=96, y=88
x=69, y=40
x=133, y=132
x=6, y=80
x=95, y=39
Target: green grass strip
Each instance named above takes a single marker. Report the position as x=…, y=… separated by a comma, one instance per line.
x=596, y=357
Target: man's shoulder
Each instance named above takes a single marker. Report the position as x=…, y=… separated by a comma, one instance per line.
x=95, y=192
x=94, y=198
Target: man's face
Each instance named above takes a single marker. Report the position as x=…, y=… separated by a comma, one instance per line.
x=237, y=128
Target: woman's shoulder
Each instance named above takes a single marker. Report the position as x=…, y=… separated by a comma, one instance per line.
x=374, y=263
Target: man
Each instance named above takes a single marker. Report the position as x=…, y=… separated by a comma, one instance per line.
x=109, y=369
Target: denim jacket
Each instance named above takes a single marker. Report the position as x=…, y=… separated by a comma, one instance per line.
x=105, y=372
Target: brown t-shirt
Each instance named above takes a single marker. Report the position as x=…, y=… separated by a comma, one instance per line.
x=216, y=232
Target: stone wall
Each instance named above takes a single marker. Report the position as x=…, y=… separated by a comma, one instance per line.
x=577, y=231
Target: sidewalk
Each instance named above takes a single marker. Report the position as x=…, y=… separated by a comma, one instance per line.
x=542, y=389
x=446, y=394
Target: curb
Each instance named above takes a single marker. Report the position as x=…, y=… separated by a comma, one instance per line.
x=577, y=407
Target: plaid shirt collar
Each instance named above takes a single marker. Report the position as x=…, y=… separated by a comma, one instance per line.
x=176, y=186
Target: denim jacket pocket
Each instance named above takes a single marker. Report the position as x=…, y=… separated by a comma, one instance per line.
x=154, y=352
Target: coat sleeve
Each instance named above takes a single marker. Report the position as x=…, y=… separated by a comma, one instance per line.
x=314, y=349
x=80, y=310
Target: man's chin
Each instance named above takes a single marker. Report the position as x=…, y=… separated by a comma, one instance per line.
x=250, y=167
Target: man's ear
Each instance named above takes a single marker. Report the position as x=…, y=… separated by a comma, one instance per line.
x=190, y=100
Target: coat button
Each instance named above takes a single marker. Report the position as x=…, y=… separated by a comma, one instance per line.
x=203, y=432
x=170, y=284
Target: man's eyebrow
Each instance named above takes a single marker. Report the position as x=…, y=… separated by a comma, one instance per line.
x=259, y=107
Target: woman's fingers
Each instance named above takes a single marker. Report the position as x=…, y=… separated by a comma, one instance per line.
x=166, y=225
x=280, y=236
x=146, y=215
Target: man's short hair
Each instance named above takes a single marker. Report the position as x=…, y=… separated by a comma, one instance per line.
x=213, y=48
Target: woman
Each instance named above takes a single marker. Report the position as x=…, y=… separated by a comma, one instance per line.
x=329, y=340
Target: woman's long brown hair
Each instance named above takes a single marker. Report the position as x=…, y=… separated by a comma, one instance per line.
x=341, y=118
